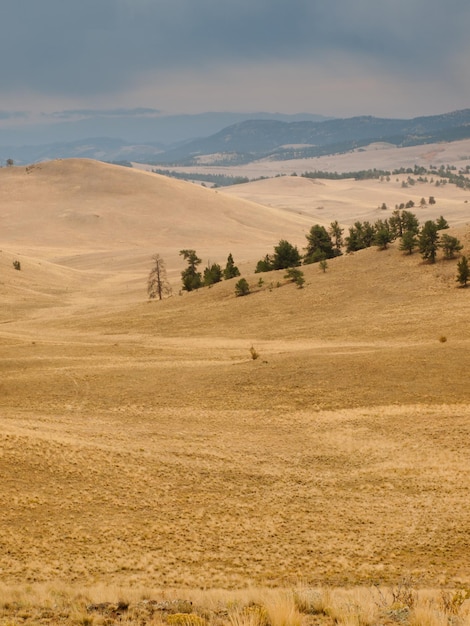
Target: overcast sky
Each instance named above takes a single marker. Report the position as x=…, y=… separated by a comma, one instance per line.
x=395, y=58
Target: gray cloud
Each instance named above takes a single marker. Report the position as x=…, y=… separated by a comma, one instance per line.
x=95, y=47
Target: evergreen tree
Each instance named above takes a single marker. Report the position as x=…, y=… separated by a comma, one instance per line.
x=396, y=224
x=410, y=222
x=231, y=270
x=442, y=223
x=319, y=245
x=336, y=233
x=450, y=245
x=285, y=255
x=361, y=235
x=409, y=241
x=463, y=271
x=264, y=265
x=354, y=239
x=242, y=288
x=212, y=274
x=428, y=241
x=368, y=234
x=382, y=238
x=190, y=277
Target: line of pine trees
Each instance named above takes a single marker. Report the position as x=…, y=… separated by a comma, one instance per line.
x=323, y=244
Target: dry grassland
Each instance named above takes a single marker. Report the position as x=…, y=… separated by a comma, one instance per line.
x=142, y=447
x=379, y=155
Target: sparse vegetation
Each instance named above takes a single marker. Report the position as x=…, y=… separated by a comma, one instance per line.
x=296, y=276
x=402, y=604
x=151, y=464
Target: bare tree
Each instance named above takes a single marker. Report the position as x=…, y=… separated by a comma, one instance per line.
x=157, y=283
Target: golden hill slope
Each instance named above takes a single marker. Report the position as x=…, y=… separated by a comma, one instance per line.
x=349, y=200
x=145, y=446
x=85, y=205
x=140, y=444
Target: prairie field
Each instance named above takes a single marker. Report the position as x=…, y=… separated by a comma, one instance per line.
x=144, y=452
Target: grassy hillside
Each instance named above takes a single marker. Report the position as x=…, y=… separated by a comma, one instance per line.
x=143, y=447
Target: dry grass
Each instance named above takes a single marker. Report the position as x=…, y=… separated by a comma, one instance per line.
x=364, y=606
x=143, y=449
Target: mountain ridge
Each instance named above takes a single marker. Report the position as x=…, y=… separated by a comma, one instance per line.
x=251, y=139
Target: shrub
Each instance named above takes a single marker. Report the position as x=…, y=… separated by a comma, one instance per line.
x=463, y=271
x=242, y=288
x=296, y=276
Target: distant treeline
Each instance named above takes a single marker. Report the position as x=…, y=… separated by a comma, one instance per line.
x=448, y=172
x=359, y=175
x=217, y=180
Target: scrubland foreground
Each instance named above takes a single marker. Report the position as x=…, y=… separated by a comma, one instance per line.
x=299, y=606
x=144, y=450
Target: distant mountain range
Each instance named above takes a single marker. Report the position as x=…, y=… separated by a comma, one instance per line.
x=250, y=139
x=254, y=139
x=116, y=134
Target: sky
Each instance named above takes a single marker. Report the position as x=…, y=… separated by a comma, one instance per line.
x=389, y=58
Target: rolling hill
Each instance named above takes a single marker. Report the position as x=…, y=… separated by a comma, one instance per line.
x=143, y=448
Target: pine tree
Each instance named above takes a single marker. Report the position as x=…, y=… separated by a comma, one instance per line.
x=285, y=255
x=231, y=270
x=296, y=276
x=463, y=271
x=242, y=288
x=409, y=242
x=191, y=278
x=212, y=274
x=319, y=245
x=442, y=223
x=382, y=238
x=428, y=241
x=450, y=245
x=336, y=233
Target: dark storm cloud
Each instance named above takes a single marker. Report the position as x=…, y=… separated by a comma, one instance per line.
x=103, y=46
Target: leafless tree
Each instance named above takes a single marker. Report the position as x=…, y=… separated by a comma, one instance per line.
x=157, y=283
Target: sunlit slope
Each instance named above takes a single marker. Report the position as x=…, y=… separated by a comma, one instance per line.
x=142, y=445
x=349, y=200
x=87, y=205
x=146, y=446
x=371, y=294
